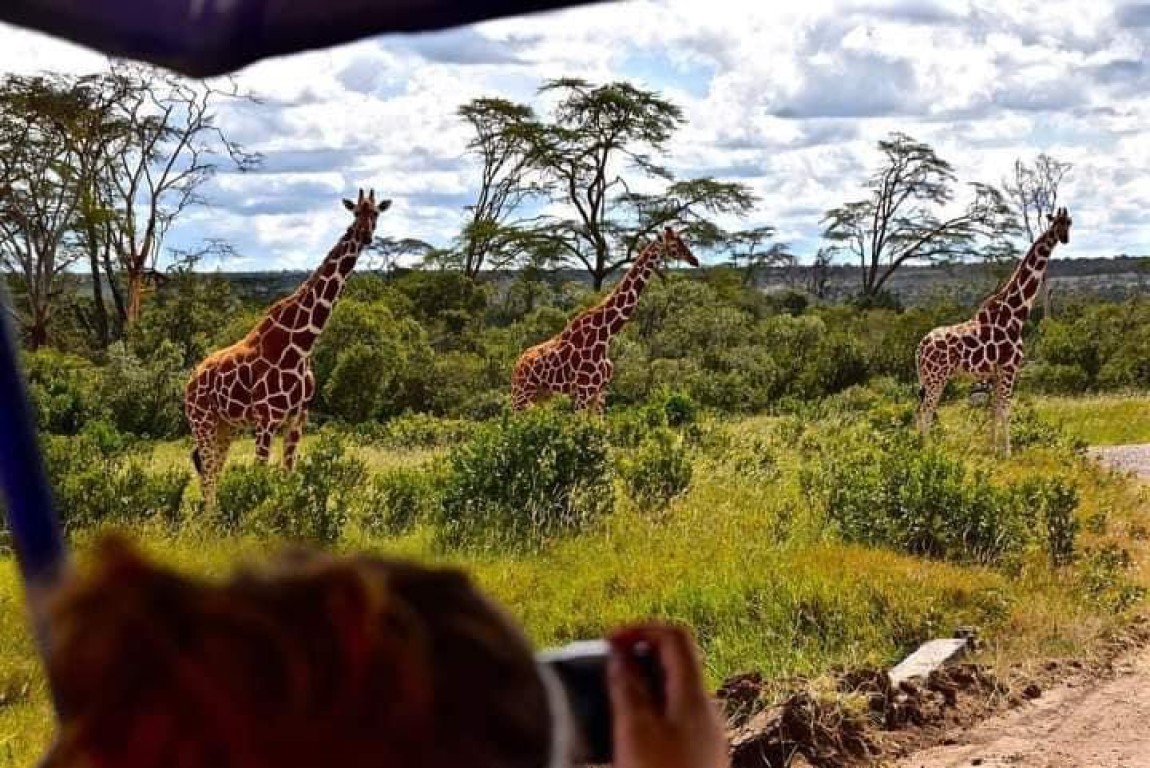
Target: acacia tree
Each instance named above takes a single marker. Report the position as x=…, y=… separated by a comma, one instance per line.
x=752, y=250
x=168, y=146
x=391, y=249
x=903, y=219
x=1032, y=192
x=505, y=136
x=595, y=133
x=54, y=131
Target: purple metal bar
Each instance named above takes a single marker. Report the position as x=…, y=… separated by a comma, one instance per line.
x=207, y=38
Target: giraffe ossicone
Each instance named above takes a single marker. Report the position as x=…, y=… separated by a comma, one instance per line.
x=265, y=380
x=989, y=345
x=575, y=361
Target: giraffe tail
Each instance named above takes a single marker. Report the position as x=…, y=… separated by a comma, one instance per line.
x=197, y=462
x=921, y=393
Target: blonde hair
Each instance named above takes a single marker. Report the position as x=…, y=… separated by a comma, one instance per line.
x=313, y=661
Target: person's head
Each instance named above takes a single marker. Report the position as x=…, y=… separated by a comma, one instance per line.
x=312, y=661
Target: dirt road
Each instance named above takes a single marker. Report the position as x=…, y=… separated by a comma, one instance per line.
x=1105, y=724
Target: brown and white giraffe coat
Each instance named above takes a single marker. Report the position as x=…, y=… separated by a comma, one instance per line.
x=265, y=380
x=575, y=361
x=989, y=345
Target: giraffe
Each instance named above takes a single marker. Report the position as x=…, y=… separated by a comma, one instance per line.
x=574, y=362
x=989, y=345
x=265, y=380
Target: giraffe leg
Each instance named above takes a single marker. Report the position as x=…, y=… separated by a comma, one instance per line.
x=292, y=439
x=929, y=394
x=1003, y=393
x=264, y=433
x=522, y=395
x=212, y=442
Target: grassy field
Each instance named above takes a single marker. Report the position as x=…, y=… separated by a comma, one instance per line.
x=1102, y=420
x=743, y=556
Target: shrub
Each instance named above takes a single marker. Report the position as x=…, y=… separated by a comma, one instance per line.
x=96, y=483
x=525, y=479
x=311, y=504
x=64, y=390
x=658, y=470
x=399, y=498
x=241, y=490
x=145, y=397
x=895, y=491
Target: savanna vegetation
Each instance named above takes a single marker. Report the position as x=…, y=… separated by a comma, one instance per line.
x=756, y=473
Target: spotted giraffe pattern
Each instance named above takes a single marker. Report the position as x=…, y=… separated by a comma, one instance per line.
x=265, y=380
x=989, y=345
x=575, y=361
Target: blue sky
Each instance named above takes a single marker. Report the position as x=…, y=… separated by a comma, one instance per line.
x=789, y=99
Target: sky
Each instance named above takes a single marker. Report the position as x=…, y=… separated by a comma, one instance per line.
x=788, y=98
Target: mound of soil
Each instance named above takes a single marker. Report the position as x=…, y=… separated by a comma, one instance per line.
x=860, y=717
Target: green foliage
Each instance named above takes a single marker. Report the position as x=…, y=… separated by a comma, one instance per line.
x=398, y=498
x=658, y=470
x=145, y=395
x=96, y=480
x=64, y=390
x=526, y=479
x=312, y=503
x=891, y=489
x=371, y=363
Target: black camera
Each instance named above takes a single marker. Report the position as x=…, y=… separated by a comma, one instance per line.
x=581, y=668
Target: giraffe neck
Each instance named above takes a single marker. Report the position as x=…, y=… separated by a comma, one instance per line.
x=1024, y=284
x=1020, y=291
x=620, y=304
x=304, y=314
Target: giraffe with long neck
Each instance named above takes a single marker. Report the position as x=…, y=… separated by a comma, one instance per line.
x=265, y=379
x=989, y=345
x=574, y=362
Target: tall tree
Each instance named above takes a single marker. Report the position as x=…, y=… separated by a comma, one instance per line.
x=170, y=144
x=752, y=251
x=505, y=135
x=1032, y=192
x=391, y=249
x=53, y=136
x=581, y=154
x=903, y=218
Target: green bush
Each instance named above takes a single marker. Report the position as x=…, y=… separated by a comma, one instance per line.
x=658, y=470
x=145, y=396
x=96, y=482
x=311, y=504
x=398, y=498
x=525, y=479
x=64, y=390
x=895, y=491
x=242, y=489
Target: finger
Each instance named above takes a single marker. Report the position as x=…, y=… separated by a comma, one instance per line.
x=631, y=703
x=678, y=656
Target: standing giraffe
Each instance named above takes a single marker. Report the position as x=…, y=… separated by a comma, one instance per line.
x=989, y=345
x=575, y=362
x=265, y=380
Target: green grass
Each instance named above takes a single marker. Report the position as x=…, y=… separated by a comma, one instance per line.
x=1101, y=420
x=741, y=557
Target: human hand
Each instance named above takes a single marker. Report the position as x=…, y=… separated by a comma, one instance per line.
x=687, y=732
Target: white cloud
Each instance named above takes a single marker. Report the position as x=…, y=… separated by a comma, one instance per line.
x=788, y=98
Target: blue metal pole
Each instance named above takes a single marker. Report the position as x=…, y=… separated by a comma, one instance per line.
x=32, y=521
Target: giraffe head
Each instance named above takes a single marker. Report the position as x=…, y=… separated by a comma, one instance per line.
x=1060, y=225
x=366, y=210
x=675, y=249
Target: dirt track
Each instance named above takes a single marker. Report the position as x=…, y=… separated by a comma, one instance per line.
x=1105, y=724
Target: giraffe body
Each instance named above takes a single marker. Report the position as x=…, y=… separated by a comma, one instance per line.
x=265, y=380
x=575, y=362
x=989, y=345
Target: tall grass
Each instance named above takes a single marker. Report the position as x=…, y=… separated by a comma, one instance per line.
x=743, y=555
